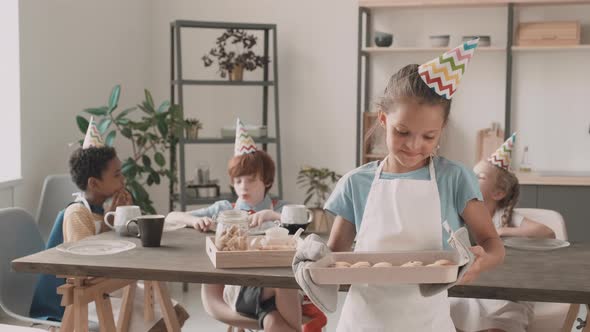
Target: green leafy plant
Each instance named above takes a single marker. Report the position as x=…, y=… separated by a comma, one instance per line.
x=152, y=135
x=193, y=123
x=241, y=56
x=317, y=183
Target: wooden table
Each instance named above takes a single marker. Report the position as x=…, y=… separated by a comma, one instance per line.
x=550, y=276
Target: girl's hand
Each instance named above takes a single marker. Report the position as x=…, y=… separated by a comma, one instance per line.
x=204, y=224
x=261, y=216
x=476, y=268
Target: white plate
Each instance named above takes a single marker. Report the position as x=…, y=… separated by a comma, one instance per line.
x=527, y=243
x=96, y=247
x=170, y=226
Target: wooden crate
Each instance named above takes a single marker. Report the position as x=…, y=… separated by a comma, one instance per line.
x=247, y=258
x=556, y=33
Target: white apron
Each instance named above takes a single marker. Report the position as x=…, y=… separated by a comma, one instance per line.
x=79, y=197
x=400, y=215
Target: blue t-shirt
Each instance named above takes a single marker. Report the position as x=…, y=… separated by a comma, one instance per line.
x=215, y=208
x=457, y=185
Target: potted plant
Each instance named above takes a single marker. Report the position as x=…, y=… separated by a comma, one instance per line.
x=192, y=127
x=152, y=135
x=232, y=63
x=317, y=183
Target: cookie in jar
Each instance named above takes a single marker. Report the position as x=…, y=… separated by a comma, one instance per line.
x=231, y=233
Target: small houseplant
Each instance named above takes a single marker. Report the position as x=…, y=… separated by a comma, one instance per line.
x=152, y=135
x=317, y=183
x=192, y=127
x=233, y=62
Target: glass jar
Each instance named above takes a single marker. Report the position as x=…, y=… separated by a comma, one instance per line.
x=232, y=230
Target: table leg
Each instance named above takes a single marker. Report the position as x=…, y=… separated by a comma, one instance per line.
x=166, y=307
x=126, y=308
x=148, y=299
x=80, y=310
x=104, y=311
x=67, y=322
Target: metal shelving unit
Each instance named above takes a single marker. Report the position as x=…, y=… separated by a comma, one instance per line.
x=178, y=82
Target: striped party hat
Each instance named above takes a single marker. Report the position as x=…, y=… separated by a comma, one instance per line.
x=93, y=138
x=501, y=157
x=244, y=143
x=444, y=73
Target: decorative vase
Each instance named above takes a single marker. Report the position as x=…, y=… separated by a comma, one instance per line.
x=192, y=132
x=237, y=73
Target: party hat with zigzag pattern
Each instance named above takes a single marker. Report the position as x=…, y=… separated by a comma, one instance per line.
x=244, y=143
x=93, y=138
x=501, y=157
x=444, y=73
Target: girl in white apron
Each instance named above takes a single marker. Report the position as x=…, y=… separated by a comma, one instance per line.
x=500, y=189
x=400, y=203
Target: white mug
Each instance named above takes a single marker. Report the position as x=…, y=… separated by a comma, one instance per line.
x=295, y=214
x=122, y=215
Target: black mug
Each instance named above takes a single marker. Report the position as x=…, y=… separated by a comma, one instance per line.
x=149, y=229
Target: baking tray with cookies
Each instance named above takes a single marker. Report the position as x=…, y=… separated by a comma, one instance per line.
x=386, y=268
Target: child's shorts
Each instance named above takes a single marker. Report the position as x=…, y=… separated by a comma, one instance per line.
x=247, y=300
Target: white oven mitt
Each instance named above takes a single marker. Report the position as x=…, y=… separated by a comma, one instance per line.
x=312, y=249
x=460, y=241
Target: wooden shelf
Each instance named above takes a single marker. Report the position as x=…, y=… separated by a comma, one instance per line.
x=534, y=178
x=550, y=48
x=378, y=50
x=460, y=3
x=229, y=140
x=221, y=82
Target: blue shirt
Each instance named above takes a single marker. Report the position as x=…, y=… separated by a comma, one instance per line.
x=215, y=208
x=457, y=185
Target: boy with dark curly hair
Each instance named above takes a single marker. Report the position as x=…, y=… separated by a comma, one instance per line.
x=96, y=171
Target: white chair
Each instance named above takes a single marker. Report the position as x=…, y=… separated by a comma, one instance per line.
x=19, y=237
x=55, y=196
x=548, y=316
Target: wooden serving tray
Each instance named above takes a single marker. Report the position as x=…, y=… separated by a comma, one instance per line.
x=247, y=258
x=322, y=274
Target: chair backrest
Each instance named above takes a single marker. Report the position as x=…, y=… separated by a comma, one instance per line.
x=55, y=196
x=549, y=218
x=19, y=237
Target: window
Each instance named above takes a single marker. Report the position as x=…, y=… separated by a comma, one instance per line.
x=10, y=149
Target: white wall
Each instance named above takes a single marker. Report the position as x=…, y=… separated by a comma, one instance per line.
x=72, y=53
x=71, y=58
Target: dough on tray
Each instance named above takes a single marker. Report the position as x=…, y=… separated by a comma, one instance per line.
x=341, y=264
x=413, y=264
x=383, y=264
x=361, y=264
x=441, y=262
